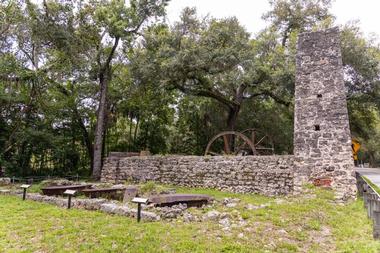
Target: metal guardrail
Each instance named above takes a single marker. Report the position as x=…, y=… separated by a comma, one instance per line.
x=371, y=203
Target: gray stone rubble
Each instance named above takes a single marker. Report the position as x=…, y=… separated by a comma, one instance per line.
x=5, y=181
x=231, y=202
x=172, y=212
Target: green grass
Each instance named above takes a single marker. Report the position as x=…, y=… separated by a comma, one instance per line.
x=36, y=188
x=312, y=223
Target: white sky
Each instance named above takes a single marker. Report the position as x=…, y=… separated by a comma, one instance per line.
x=249, y=12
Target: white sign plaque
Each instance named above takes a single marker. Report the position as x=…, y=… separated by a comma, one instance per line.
x=69, y=192
x=140, y=200
x=25, y=186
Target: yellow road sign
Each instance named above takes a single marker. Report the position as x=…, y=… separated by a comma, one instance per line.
x=355, y=148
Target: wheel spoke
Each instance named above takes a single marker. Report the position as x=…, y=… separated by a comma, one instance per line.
x=260, y=141
x=233, y=143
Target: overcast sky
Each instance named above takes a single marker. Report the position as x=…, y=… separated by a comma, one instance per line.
x=249, y=12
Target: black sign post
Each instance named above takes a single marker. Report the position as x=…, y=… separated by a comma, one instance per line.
x=70, y=194
x=139, y=201
x=24, y=187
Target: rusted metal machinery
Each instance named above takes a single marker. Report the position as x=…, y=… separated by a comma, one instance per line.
x=247, y=142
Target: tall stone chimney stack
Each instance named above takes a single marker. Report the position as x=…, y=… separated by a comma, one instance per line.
x=322, y=139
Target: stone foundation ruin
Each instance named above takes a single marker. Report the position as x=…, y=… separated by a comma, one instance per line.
x=268, y=175
x=322, y=140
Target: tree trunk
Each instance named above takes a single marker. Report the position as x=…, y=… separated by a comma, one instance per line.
x=231, y=124
x=234, y=110
x=104, y=147
x=232, y=117
x=100, y=126
x=104, y=79
x=24, y=160
x=372, y=159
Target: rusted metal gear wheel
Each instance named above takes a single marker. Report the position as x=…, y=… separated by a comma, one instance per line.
x=247, y=142
x=230, y=143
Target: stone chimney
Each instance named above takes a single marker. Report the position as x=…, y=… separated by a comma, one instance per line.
x=322, y=139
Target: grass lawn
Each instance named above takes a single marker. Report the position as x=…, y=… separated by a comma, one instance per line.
x=312, y=223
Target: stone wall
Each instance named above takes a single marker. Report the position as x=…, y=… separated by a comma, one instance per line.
x=268, y=175
x=322, y=139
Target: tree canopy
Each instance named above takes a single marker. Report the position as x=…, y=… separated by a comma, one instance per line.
x=79, y=79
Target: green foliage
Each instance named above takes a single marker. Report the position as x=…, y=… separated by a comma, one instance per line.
x=140, y=122
x=47, y=79
x=169, y=88
x=192, y=128
x=361, y=59
x=216, y=61
x=289, y=16
x=151, y=188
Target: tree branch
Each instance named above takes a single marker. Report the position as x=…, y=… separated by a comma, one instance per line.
x=206, y=93
x=110, y=56
x=135, y=30
x=10, y=78
x=270, y=94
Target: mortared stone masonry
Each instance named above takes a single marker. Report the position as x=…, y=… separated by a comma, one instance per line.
x=322, y=139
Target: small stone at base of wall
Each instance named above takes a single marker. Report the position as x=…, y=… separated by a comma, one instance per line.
x=5, y=181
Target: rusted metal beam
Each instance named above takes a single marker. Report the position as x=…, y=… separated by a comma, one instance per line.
x=59, y=190
x=111, y=193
